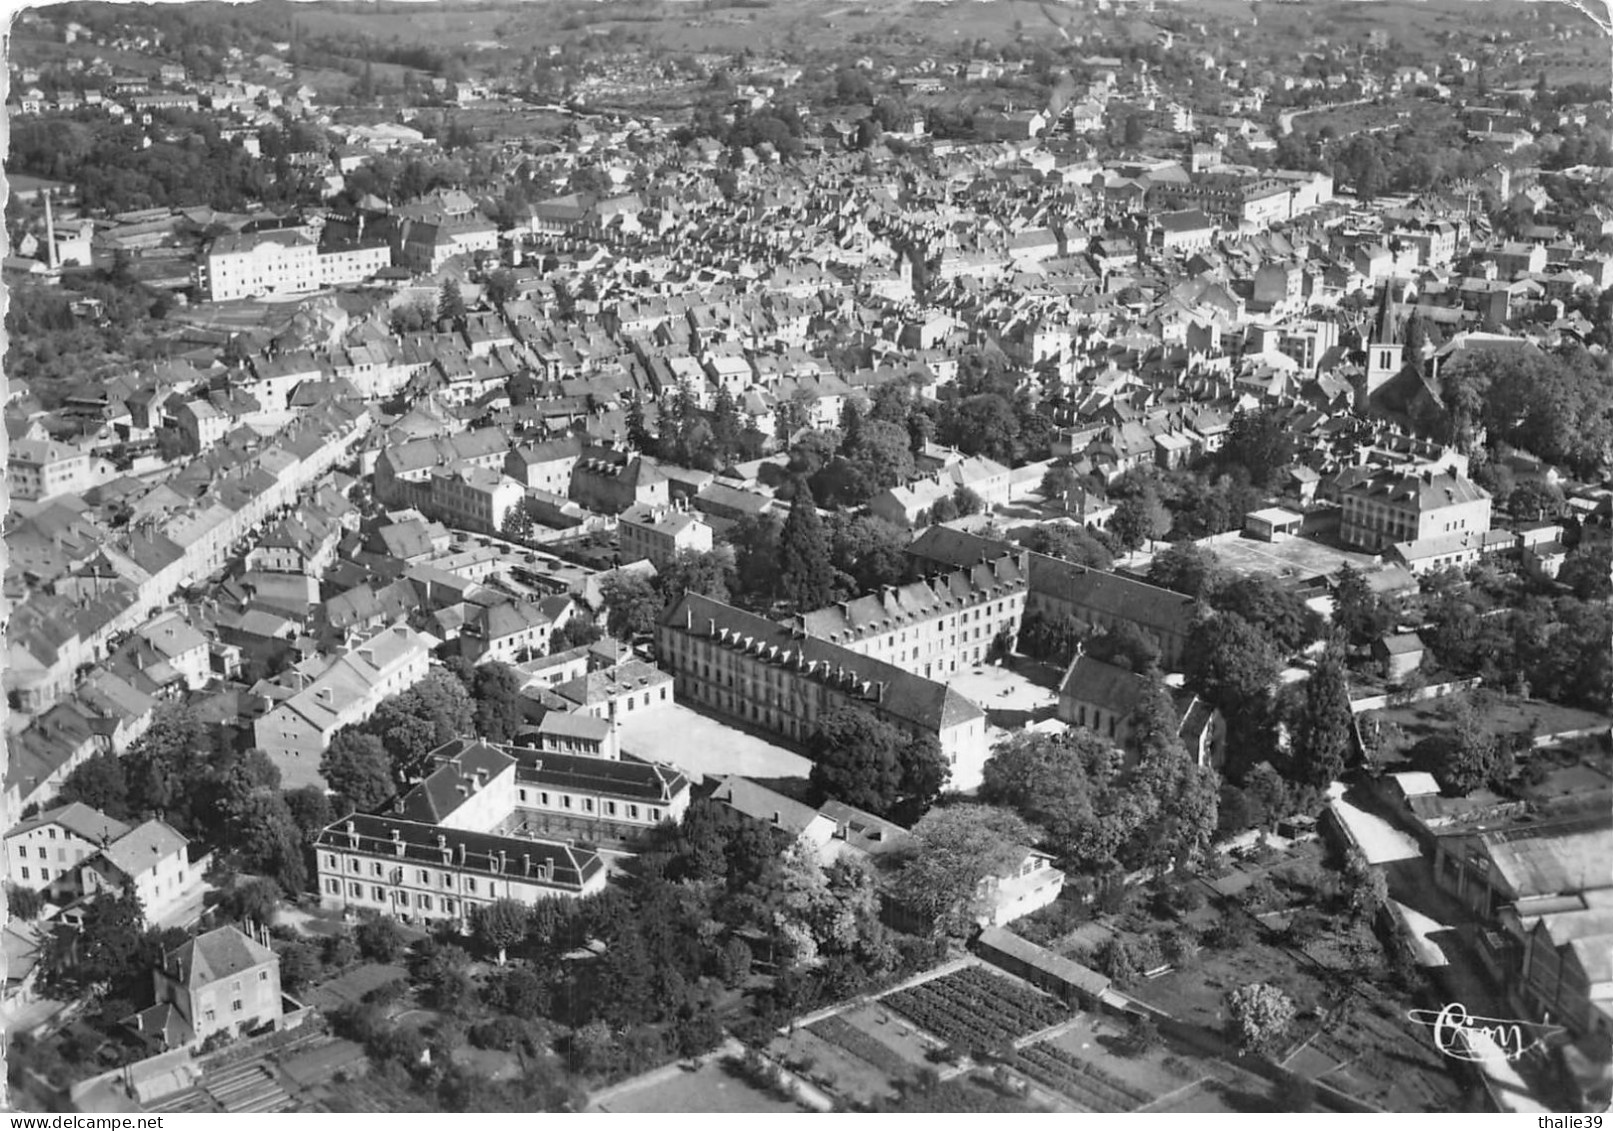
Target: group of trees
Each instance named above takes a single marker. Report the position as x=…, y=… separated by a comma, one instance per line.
x=985, y=411
x=690, y=436
x=800, y=563
x=1552, y=648
x=204, y=783
x=1100, y=810
x=118, y=169
x=368, y=764
x=1557, y=406
x=864, y=761
x=59, y=353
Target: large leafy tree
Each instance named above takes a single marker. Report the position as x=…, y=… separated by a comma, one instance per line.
x=310, y=808
x=1465, y=755
x=1230, y=662
x=1186, y=568
x=266, y=836
x=164, y=765
x=755, y=542
x=1588, y=571
x=1234, y=667
x=415, y=722
x=500, y=925
x=854, y=759
x=109, y=942
x=1274, y=608
x=1261, y=1015
x=1045, y=778
x=868, y=550
x=632, y=606
x=1176, y=798
x=711, y=573
x=1140, y=518
x=496, y=689
x=358, y=766
x=806, y=574
x=1070, y=542
x=99, y=782
x=864, y=761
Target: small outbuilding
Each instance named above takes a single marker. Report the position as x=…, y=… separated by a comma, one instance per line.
x=1401, y=653
x=1273, y=524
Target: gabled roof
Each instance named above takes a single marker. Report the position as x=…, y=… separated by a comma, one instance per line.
x=1108, y=686
x=77, y=818
x=215, y=956
x=463, y=768
x=143, y=848
x=1120, y=597
x=765, y=805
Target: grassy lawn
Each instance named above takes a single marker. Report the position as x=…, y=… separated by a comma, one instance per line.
x=1097, y=1039
x=352, y=986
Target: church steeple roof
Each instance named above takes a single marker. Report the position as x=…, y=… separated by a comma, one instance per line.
x=1387, y=332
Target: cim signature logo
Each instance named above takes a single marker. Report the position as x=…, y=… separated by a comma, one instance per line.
x=1454, y=1025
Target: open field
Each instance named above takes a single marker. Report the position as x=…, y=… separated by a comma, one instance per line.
x=803, y=24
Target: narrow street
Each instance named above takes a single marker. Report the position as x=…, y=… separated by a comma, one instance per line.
x=1443, y=932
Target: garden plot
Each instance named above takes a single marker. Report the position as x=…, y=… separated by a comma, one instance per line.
x=976, y=1010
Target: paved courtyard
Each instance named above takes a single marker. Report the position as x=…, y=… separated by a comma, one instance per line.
x=702, y=746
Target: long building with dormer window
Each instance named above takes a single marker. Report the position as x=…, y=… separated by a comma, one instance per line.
x=935, y=627
x=490, y=823
x=783, y=679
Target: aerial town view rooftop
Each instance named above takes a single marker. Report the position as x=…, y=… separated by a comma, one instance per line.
x=785, y=555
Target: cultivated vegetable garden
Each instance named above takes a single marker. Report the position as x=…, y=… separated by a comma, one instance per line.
x=1086, y=1084
x=972, y=1009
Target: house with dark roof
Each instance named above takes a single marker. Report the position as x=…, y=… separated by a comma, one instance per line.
x=1102, y=697
x=510, y=631
x=798, y=822
x=611, y=482
x=224, y=981
x=1099, y=600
